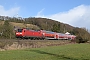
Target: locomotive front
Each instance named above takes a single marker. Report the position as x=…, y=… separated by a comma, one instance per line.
x=19, y=33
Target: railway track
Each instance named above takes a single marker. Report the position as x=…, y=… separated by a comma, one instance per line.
x=14, y=40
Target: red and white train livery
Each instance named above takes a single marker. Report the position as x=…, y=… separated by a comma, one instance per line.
x=42, y=34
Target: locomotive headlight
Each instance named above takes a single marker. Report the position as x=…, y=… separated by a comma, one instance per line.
x=16, y=33
x=20, y=33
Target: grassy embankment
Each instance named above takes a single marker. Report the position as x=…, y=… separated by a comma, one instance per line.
x=63, y=52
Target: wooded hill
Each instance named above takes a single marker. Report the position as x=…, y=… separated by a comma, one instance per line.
x=7, y=25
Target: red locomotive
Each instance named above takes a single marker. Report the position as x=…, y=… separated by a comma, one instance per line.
x=42, y=34
x=27, y=33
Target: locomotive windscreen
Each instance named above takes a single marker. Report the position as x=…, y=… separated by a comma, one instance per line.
x=20, y=30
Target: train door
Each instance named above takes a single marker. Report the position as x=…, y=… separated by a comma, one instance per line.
x=56, y=36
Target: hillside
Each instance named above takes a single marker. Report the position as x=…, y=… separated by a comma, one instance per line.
x=21, y=25
x=49, y=24
x=42, y=23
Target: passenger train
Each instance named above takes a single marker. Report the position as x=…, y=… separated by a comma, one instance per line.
x=42, y=34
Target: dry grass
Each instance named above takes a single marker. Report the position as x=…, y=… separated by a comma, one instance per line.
x=1, y=22
x=17, y=24
x=13, y=44
x=22, y=25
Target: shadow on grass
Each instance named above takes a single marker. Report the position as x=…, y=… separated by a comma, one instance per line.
x=55, y=55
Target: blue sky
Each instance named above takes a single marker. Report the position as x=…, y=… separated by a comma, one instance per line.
x=73, y=12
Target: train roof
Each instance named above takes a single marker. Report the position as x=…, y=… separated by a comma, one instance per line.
x=48, y=31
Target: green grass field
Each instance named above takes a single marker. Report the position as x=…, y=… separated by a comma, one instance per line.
x=63, y=52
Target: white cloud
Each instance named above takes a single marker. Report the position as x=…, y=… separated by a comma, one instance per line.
x=10, y=12
x=78, y=16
